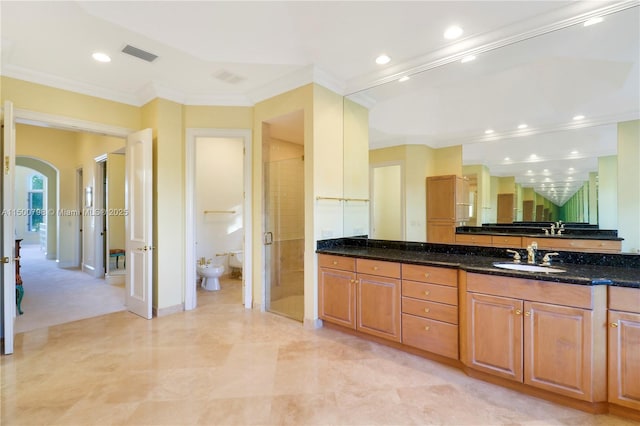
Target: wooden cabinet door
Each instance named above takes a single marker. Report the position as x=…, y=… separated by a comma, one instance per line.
x=494, y=335
x=441, y=198
x=337, y=296
x=378, y=311
x=462, y=199
x=558, y=349
x=624, y=359
x=506, y=204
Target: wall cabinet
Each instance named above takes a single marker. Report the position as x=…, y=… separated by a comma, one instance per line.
x=447, y=207
x=542, y=334
x=430, y=309
x=624, y=347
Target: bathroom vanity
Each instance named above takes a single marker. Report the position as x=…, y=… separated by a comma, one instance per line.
x=571, y=336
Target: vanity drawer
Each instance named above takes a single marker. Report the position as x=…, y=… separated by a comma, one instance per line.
x=506, y=241
x=378, y=267
x=337, y=262
x=431, y=292
x=429, y=335
x=624, y=299
x=431, y=310
x=473, y=239
x=430, y=274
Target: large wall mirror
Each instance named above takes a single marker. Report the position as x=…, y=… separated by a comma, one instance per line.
x=543, y=112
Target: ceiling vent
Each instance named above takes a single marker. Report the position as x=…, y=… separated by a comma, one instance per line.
x=228, y=77
x=139, y=53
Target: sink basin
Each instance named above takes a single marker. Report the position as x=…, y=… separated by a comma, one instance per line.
x=527, y=268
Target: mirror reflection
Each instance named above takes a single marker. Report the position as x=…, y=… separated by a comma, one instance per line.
x=534, y=127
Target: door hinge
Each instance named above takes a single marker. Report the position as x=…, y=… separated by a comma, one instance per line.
x=6, y=164
x=5, y=260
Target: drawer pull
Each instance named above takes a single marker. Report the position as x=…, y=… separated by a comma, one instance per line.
x=375, y=268
x=426, y=328
x=518, y=312
x=427, y=292
x=426, y=274
x=426, y=310
x=335, y=262
x=614, y=324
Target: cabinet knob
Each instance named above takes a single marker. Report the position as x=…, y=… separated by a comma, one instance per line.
x=427, y=292
x=335, y=262
x=426, y=328
x=614, y=324
x=526, y=314
x=518, y=312
x=375, y=268
x=426, y=310
x=426, y=274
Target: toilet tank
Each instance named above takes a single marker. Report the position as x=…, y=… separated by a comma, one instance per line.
x=236, y=258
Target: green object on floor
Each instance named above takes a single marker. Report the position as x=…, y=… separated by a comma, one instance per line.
x=19, y=296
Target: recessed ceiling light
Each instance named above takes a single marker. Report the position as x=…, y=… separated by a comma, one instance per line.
x=453, y=32
x=403, y=79
x=488, y=131
x=595, y=20
x=101, y=57
x=529, y=171
x=578, y=117
x=468, y=58
x=574, y=152
x=507, y=158
x=546, y=170
x=571, y=168
x=569, y=178
x=533, y=156
x=383, y=59
x=522, y=126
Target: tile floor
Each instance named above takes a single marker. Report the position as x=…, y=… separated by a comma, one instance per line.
x=223, y=365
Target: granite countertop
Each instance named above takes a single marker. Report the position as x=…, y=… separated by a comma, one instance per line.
x=569, y=234
x=481, y=261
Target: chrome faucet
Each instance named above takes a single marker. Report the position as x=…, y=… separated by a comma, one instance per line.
x=532, y=250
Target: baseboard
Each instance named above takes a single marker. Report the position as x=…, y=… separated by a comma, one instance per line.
x=118, y=279
x=69, y=264
x=163, y=312
x=312, y=324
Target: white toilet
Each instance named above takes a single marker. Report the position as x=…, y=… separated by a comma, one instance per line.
x=236, y=260
x=210, y=275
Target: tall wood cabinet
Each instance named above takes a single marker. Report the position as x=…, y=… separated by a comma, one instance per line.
x=447, y=207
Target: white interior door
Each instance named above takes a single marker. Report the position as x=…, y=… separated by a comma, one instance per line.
x=8, y=272
x=139, y=223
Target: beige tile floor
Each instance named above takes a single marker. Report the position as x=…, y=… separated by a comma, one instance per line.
x=223, y=365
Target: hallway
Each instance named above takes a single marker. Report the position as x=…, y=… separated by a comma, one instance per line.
x=56, y=296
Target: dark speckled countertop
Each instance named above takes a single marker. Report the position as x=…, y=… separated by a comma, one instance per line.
x=581, y=268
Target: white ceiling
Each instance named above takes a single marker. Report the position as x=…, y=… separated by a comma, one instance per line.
x=273, y=46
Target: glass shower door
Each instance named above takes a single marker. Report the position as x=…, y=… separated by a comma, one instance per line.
x=284, y=236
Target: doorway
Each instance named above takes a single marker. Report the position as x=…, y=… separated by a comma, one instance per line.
x=218, y=208
x=387, y=211
x=283, y=214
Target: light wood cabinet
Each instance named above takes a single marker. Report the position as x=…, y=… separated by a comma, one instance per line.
x=546, y=335
x=430, y=309
x=337, y=290
x=624, y=347
x=569, y=244
x=447, y=207
x=378, y=298
x=506, y=208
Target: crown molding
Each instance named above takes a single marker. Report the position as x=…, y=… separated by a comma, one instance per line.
x=56, y=82
x=42, y=119
x=573, y=14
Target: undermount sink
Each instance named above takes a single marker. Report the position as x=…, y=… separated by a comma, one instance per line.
x=527, y=267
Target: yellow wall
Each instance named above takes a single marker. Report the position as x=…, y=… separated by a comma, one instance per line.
x=45, y=99
x=58, y=148
x=608, y=192
x=629, y=191
x=447, y=161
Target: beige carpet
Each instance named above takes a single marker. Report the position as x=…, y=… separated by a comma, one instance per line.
x=56, y=296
